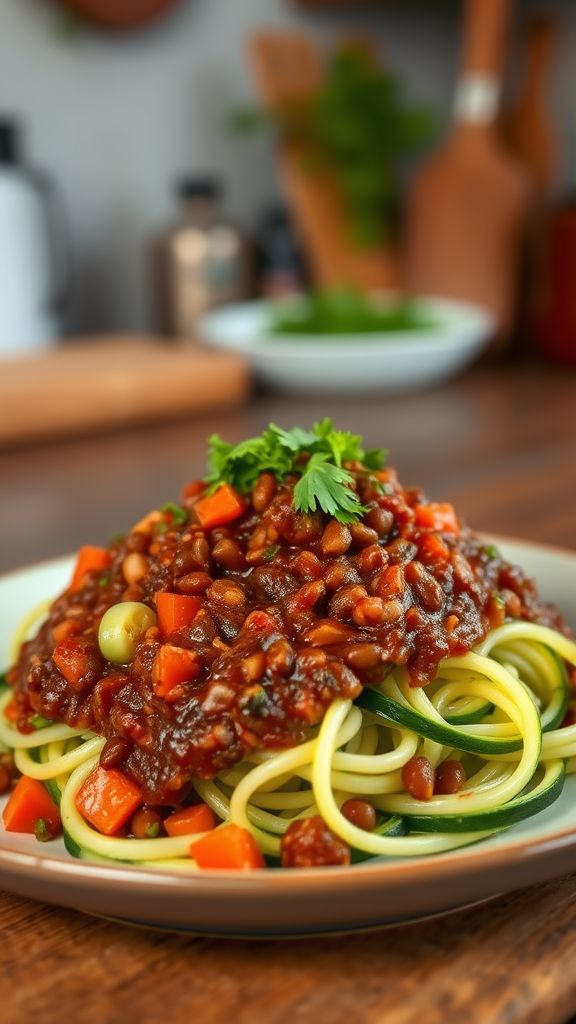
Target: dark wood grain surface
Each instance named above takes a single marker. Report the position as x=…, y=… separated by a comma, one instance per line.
x=499, y=443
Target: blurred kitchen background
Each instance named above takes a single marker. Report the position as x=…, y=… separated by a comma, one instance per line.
x=200, y=117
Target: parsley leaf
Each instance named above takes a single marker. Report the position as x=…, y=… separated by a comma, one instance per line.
x=491, y=551
x=39, y=722
x=323, y=483
x=297, y=440
x=43, y=830
x=374, y=458
x=219, y=452
x=179, y=514
x=326, y=486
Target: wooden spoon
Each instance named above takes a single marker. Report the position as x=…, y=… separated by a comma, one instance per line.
x=528, y=126
x=467, y=205
x=119, y=14
x=289, y=68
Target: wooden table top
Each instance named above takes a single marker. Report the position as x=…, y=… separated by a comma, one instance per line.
x=500, y=444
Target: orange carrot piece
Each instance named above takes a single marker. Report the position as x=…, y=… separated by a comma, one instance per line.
x=224, y=506
x=150, y=521
x=438, y=516
x=108, y=799
x=391, y=583
x=193, y=490
x=173, y=666
x=65, y=629
x=387, y=476
x=197, y=818
x=229, y=847
x=433, y=548
x=71, y=660
x=28, y=804
x=175, y=611
x=11, y=711
x=89, y=559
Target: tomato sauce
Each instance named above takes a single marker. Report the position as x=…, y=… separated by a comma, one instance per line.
x=294, y=610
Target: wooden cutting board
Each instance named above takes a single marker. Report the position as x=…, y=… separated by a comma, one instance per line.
x=113, y=380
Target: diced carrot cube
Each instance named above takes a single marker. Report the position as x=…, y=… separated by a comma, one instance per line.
x=29, y=803
x=89, y=559
x=223, y=506
x=108, y=799
x=173, y=666
x=11, y=711
x=433, y=549
x=229, y=847
x=176, y=611
x=438, y=516
x=197, y=818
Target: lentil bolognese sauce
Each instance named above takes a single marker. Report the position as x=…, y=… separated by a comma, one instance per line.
x=304, y=661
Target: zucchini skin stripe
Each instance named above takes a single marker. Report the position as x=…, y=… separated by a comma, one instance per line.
x=469, y=717
x=448, y=735
x=556, y=712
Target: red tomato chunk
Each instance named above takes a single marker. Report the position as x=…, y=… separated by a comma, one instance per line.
x=308, y=843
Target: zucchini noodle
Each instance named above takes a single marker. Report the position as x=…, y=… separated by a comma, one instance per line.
x=31, y=619
x=498, y=710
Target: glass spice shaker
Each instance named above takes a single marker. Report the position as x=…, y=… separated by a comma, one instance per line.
x=205, y=261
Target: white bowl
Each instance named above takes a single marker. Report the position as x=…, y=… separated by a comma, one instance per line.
x=389, y=362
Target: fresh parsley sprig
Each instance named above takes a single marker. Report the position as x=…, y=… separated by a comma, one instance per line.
x=327, y=486
x=324, y=484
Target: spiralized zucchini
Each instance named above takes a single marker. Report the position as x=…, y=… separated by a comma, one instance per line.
x=498, y=709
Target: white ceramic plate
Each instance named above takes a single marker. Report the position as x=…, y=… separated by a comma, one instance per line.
x=384, y=363
x=282, y=903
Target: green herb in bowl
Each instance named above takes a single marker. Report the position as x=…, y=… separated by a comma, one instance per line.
x=345, y=311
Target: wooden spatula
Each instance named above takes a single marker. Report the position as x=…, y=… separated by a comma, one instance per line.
x=289, y=68
x=528, y=125
x=467, y=205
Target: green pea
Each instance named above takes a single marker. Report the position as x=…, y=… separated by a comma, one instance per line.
x=121, y=629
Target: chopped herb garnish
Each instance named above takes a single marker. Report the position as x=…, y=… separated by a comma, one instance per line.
x=104, y=580
x=161, y=527
x=179, y=514
x=324, y=482
x=498, y=600
x=380, y=487
x=341, y=312
x=153, y=830
x=39, y=722
x=270, y=552
x=43, y=830
x=491, y=551
x=257, y=701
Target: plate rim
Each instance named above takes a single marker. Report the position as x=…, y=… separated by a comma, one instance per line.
x=424, y=871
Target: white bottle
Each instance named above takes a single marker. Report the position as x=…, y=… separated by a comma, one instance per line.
x=28, y=307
